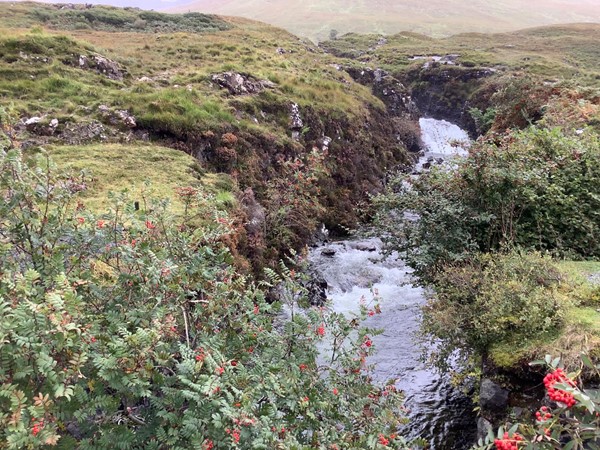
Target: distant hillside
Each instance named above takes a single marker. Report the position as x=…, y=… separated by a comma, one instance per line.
x=316, y=18
x=145, y=4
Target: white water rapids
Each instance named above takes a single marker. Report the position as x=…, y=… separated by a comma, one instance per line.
x=355, y=268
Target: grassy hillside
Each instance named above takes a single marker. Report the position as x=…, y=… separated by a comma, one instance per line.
x=316, y=18
x=87, y=77
x=557, y=52
x=145, y=171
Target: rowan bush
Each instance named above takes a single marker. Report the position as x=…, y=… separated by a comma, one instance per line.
x=569, y=419
x=132, y=330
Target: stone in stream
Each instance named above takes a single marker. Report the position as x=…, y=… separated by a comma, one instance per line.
x=492, y=397
x=366, y=247
x=329, y=252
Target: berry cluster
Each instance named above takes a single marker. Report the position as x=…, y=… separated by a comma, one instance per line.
x=200, y=355
x=37, y=426
x=543, y=415
x=384, y=440
x=558, y=395
x=508, y=443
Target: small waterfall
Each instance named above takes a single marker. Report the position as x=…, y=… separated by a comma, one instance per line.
x=438, y=412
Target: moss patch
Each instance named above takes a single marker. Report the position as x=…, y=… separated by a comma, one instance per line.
x=143, y=170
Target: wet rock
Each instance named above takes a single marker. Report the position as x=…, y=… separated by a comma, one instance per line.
x=365, y=247
x=280, y=51
x=241, y=84
x=492, y=397
x=316, y=288
x=484, y=426
x=329, y=252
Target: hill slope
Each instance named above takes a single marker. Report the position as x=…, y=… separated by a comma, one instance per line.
x=316, y=18
x=241, y=97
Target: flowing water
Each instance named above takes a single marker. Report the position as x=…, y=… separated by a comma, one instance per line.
x=356, y=268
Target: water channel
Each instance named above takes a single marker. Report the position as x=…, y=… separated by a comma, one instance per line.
x=438, y=412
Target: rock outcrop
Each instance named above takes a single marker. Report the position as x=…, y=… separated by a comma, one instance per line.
x=444, y=91
x=100, y=64
x=492, y=397
x=241, y=84
x=120, y=118
x=389, y=89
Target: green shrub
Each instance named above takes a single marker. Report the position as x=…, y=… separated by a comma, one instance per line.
x=534, y=189
x=494, y=299
x=132, y=330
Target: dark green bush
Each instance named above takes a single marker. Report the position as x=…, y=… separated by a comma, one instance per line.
x=493, y=299
x=537, y=189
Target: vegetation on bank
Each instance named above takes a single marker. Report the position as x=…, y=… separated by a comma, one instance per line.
x=562, y=52
x=531, y=190
x=131, y=329
x=90, y=87
x=107, y=18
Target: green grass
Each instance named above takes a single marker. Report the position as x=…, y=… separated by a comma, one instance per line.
x=581, y=329
x=143, y=170
x=568, y=52
x=107, y=18
x=39, y=73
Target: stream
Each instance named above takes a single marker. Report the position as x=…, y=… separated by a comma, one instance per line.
x=355, y=268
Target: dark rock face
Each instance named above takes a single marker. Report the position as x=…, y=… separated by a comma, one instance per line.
x=241, y=84
x=316, y=288
x=388, y=89
x=443, y=91
x=492, y=397
x=483, y=427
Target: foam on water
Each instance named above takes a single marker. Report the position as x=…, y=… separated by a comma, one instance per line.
x=442, y=140
x=357, y=268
